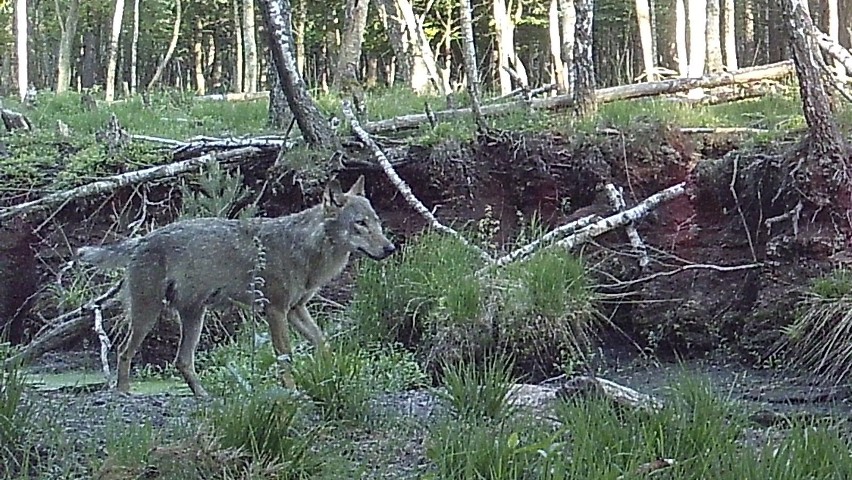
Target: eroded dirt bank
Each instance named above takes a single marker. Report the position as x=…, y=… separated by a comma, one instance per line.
x=558, y=177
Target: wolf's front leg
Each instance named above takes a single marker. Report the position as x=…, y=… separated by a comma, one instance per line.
x=277, y=321
x=305, y=324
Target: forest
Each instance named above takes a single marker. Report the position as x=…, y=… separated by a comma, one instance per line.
x=587, y=239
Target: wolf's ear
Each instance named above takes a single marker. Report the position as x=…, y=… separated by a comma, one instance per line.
x=357, y=187
x=332, y=197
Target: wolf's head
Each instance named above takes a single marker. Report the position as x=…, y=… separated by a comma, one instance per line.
x=354, y=221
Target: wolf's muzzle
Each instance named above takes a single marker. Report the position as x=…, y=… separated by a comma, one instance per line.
x=386, y=252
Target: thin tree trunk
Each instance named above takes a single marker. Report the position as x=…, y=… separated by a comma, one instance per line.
x=198, y=59
x=584, y=67
x=697, y=37
x=391, y=18
x=66, y=44
x=237, y=81
x=643, y=17
x=568, y=28
x=171, y=49
x=680, y=39
x=112, y=58
x=559, y=76
x=424, y=69
x=730, y=36
x=714, y=37
x=349, y=56
x=749, y=45
x=834, y=33
x=470, y=65
x=277, y=15
x=278, y=114
x=250, y=51
x=505, y=46
x=21, y=39
x=134, y=50
x=299, y=30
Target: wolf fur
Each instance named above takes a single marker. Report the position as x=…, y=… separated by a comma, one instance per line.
x=191, y=265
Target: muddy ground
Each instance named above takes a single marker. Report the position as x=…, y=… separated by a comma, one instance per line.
x=724, y=322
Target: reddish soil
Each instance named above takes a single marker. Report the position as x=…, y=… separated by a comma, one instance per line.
x=559, y=177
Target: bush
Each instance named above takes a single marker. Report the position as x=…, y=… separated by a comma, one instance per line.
x=476, y=393
x=16, y=419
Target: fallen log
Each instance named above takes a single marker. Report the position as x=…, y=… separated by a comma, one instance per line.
x=618, y=394
x=617, y=201
x=114, y=182
x=609, y=94
x=65, y=327
x=233, y=97
x=13, y=120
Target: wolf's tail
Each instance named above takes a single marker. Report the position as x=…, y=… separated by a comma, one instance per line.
x=109, y=257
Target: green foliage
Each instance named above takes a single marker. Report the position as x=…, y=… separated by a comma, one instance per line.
x=516, y=449
x=270, y=425
x=479, y=392
x=835, y=285
x=16, y=419
x=218, y=193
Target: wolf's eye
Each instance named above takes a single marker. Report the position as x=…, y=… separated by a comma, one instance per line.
x=361, y=223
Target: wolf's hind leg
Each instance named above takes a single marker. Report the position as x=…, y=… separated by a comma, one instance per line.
x=143, y=314
x=305, y=325
x=277, y=321
x=191, y=323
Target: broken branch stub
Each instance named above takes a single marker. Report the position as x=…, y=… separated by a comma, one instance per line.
x=400, y=184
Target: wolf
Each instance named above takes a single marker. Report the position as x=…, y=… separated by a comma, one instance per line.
x=193, y=265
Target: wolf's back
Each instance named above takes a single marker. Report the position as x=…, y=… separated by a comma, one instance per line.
x=109, y=257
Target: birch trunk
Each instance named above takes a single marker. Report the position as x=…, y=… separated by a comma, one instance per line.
x=568, y=28
x=505, y=44
x=584, y=67
x=171, y=48
x=66, y=43
x=21, y=39
x=350, y=46
x=730, y=36
x=238, y=47
x=470, y=65
x=643, y=17
x=134, y=50
x=250, y=48
x=714, y=37
x=680, y=39
x=112, y=56
x=834, y=33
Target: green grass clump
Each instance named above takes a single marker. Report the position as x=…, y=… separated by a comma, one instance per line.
x=16, y=420
x=834, y=285
x=477, y=392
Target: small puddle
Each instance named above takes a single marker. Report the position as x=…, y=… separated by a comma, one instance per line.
x=89, y=381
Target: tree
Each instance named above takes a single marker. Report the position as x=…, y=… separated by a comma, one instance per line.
x=250, y=48
x=237, y=85
x=171, y=48
x=714, y=37
x=834, y=32
x=66, y=42
x=278, y=19
x=470, y=66
x=730, y=36
x=643, y=16
x=350, y=45
x=112, y=56
x=134, y=50
x=21, y=37
x=507, y=58
x=568, y=28
x=584, y=67
x=680, y=39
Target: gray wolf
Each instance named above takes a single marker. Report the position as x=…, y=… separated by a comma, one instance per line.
x=191, y=265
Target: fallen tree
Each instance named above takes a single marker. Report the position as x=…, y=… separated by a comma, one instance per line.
x=609, y=94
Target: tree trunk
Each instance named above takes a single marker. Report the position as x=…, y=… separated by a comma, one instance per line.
x=697, y=37
x=89, y=63
x=172, y=45
x=134, y=50
x=299, y=30
x=643, y=16
x=277, y=15
x=584, y=66
x=278, y=115
x=568, y=29
x=21, y=39
x=66, y=44
x=504, y=29
x=748, y=47
x=730, y=36
x=112, y=56
x=349, y=56
x=239, y=75
x=714, y=37
x=391, y=17
x=250, y=51
x=680, y=39
x=470, y=65
x=834, y=33
x=560, y=69
x=825, y=177
x=198, y=59
x=424, y=68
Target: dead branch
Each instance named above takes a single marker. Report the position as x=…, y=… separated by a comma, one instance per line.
x=602, y=95
x=114, y=182
x=233, y=97
x=832, y=48
x=622, y=218
x=692, y=266
x=696, y=130
x=400, y=184
x=65, y=327
x=619, y=394
x=618, y=205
